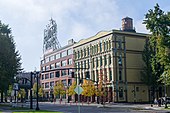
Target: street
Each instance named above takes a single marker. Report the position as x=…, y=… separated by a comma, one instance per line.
x=94, y=108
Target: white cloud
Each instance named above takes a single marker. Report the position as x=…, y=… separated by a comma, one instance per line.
x=75, y=19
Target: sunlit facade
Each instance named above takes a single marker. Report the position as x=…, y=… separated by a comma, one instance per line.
x=117, y=55
x=60, y=58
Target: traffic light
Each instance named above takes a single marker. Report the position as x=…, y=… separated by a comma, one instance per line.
x=72, y=74
x=87, y=75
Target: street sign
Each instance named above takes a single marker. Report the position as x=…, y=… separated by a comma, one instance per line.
x=78, y=90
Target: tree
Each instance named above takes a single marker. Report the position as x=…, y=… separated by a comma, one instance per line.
x=101, y=89
x=71, y=89
x=158, y=23
x=9, y=59
x=41, y=92
x=21, y=94
x=88, y=88
x=35, y=89
x=59, y=89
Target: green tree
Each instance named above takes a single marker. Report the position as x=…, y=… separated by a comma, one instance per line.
x=158, y=23
x=9, y=58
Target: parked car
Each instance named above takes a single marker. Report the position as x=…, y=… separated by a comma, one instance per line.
x=167, y=100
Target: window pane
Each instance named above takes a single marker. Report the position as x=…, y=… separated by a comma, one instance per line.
x=70, y=51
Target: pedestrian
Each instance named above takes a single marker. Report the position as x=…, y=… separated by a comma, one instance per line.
x=159, y=102
x=155, y=101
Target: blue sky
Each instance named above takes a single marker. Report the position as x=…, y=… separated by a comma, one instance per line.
x=75, y=19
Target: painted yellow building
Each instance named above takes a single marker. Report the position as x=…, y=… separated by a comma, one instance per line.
x=117, y=55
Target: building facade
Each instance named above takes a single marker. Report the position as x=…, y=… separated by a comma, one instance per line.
x=117, y=56
x=58, y=59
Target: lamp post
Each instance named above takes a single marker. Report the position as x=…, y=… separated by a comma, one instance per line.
x=37, y=107
x=165, y=74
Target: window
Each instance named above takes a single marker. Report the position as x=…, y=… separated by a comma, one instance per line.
x=64, y=82
x=81, y=64
x=52, y=66
x=88, y=51
x=43, y=68
x=75, y=54
x=42, y=85
x=120, y=44
x=97, y=74
x=70, y=51
x=81, y=54
x=70, y=71
x=78, y=54
x=100, y=46
x=57, y=56
x=120, y=60
x=52, y=75
x=120, y=74
x=63, y=63
x=107, y=45
x=42, y=62
x=47, y=68
x=88, y=63
x=110, y=74
x=97, y=62
x=42, y=77
x=85, y=64
x=52, y=58
x=47, y=85
x=47, y=59
x=69, y=61
x=63, y=72
x=110, y=60
x=93, y=63
x=52, y=83
x=57, y=64
x=120, y=92
x=46, y=76
x=57, y=74
x=100, y=60
x=78, y=65
x=64, y=53
x=85, y=52
x=105, y=60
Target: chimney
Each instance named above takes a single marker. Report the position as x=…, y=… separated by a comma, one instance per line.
x=127, y=24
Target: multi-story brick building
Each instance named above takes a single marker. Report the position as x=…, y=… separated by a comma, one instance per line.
x=60, y=58
x=117, y=55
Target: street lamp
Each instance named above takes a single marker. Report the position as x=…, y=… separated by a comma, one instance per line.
x=165, y=81
x=37, y=76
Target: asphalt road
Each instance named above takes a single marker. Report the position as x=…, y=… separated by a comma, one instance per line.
x=92, y=109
